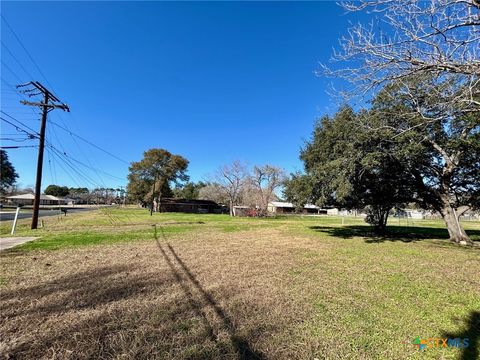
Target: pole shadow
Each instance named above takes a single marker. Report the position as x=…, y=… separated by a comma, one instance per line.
x=241, y=345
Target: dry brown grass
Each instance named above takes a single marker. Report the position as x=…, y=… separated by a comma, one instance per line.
x=161, y=299
x=276, y=291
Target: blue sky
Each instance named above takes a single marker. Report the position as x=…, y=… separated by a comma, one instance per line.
x=211, y=81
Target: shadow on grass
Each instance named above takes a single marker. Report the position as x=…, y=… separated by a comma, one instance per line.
x=128, y=311
x=472, y=333
x=82, y=290
x=241, y=345
x=394, y=233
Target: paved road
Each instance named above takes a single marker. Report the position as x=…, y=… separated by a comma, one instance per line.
x=10, y=215
x=6, y=243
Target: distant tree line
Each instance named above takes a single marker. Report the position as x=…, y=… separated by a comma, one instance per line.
x=161, y=174
x=84, y=195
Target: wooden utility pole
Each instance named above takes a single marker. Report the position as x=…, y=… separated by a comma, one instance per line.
x=50, y=102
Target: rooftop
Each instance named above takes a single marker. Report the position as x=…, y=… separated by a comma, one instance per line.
x=32, y=197
x=283, y=204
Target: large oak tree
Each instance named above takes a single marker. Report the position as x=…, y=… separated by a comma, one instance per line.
x=351, y=167
x=442, y=156
x=151, y=176
x=421, y=60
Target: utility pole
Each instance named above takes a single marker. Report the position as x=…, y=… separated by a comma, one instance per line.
x=50, y=102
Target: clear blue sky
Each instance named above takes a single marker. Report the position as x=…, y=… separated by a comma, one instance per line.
x=212, y=81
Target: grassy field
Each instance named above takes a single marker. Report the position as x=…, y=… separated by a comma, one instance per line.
x=117, y=283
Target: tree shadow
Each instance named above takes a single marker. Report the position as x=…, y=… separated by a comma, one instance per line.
x=127, y=310
x=82, y=290
x=393, y=233
x=241, y=345
x=472, y=333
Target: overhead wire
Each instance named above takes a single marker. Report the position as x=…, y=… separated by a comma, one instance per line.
x=16, y=60
x=52, y=152
x=27, y=52
x=88, y=142
x=20, y=122
x=33, y=134
x=18, y=128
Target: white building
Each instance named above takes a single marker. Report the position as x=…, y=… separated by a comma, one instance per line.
x=27, y=199
x=281, y=207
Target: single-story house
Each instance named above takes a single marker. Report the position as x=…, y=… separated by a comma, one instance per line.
x=281, y=207
x=27, y=199
x=190, y=206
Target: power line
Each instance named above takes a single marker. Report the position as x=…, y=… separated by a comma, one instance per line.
x=18, y=128
x=63, y=128
x=16, y=60
x=89, y=142
x=27, y=52
x=43, y=75
x=53, y=174
x=85, y=165
x=61, y=152
x=86, y=157
x=68, y=162
x=15, y=140
x=50, y=166
x=18, y=121
x=65, y=170
x=18, y=146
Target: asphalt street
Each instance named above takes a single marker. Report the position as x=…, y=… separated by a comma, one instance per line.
x=10, y=214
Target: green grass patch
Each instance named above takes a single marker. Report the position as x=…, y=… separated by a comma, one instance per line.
x=287, y=287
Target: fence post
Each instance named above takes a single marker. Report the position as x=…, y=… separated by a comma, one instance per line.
x=15, y=220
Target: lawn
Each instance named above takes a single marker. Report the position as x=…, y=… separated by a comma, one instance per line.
x=117, y=283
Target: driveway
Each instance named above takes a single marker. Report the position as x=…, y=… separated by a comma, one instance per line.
x=9, y=242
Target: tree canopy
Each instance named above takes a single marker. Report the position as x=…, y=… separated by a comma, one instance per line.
x=423, y=70
x=57, y=190
x=150, y=178
x=188, y=191
x=386, y=156
x=442, y=156
x=350, y=167
x=8, y=175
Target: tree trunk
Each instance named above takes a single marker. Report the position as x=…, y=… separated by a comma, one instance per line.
x=455, y=229
x=231, y=208
x=381, y=225
x=159, y=201
x=377, y=216
x=152, y=205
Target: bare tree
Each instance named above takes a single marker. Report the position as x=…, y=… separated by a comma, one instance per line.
x=232, y=178
x=426, y=53
x=265, y=180
x=410, y=39
x=214, y=192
